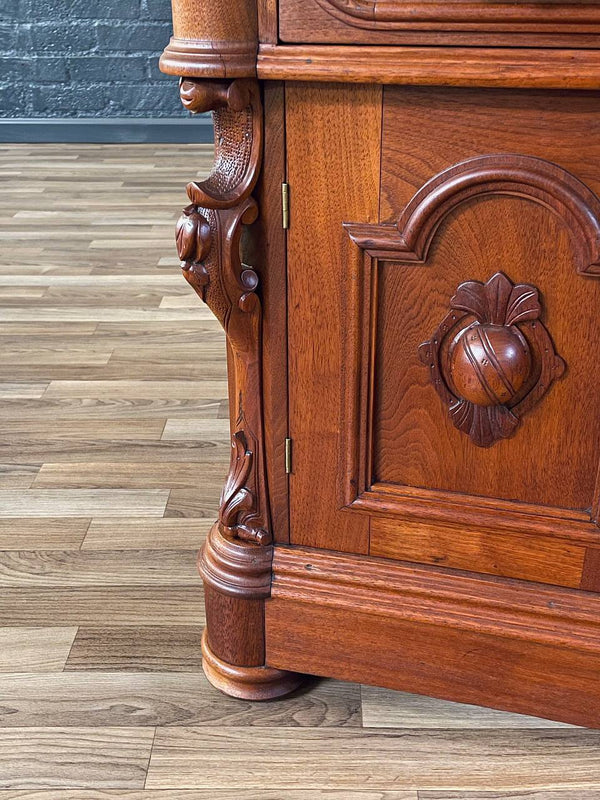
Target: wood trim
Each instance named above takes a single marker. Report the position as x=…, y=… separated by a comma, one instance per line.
x=590, y=579
x=433, y=66
x=502, y=643
x=212, y=40
x=499, y=174
x=496, y=606
x=494, y=515
x=246, y=683
x=111, y=130
x=543, y=559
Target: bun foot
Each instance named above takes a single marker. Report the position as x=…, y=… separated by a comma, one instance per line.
x=247, y=683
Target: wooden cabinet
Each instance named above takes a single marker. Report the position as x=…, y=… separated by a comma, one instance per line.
x=401, y=238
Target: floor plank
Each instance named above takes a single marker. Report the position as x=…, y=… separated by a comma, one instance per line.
x=94, y=450
x=94, y=605
x=147, y=648
x=319, y=758
x=35, y=649
x=384, y=708
x=22, y=391
x=138, y=389
x=194, y=503
x=74, y=757
x=146, y=534
x=566, y=794
x=18, y=476
x=212, y=794
x=73, y=568
x=123, y=699
x=97, y=429
x=83, y=502
x=211, y=429
x=47, y=533
x=130, y=475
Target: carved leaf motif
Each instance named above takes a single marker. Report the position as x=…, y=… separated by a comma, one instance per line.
x=470, y=297
x=209, y=242
x=498, y=301
x=238, y=503
x=485, y=425
x=523, y=304
x=235, y=497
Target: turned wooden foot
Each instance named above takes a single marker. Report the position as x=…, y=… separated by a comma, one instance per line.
x=247, y=683
x=237, y=579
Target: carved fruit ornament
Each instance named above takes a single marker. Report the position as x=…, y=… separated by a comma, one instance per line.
x=491, y=358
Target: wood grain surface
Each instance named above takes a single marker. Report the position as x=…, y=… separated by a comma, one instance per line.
x=101, y=614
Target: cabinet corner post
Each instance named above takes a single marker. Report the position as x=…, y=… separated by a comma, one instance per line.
x=212, y=237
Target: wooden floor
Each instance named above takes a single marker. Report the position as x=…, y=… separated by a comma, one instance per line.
x=114, y=446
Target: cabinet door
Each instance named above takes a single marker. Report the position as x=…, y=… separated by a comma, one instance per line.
x=444, y=269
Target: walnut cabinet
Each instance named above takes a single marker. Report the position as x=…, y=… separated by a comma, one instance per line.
x=401, y=239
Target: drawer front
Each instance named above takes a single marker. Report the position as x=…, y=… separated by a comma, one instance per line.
x=469, y=427
x=437, y=22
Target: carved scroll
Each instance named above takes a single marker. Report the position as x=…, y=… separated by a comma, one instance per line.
x=491, y=358
x=209, y=235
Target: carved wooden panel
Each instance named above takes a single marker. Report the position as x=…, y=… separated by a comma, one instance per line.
x=501, y=248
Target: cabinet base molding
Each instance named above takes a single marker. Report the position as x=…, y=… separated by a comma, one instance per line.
x=247, y=683
x=504, y=643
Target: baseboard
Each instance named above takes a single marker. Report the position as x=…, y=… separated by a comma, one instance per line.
x=175, y=130
x=507, y=644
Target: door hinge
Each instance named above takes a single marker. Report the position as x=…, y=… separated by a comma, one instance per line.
x=285, y=205
x=288, y=456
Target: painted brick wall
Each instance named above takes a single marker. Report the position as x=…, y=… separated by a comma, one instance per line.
x=85, y=58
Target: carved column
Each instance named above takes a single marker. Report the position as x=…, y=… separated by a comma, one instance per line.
x=235, y=562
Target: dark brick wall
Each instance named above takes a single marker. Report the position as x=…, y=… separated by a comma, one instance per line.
x=85, y=58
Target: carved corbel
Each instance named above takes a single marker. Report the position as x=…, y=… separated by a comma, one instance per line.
x=209, y=235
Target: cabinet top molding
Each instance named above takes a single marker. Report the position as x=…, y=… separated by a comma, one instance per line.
x=519, y=68
x=222, y=39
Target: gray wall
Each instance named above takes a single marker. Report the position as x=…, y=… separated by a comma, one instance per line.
x=85, y=58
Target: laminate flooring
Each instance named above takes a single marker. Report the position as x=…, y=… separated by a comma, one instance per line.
x=113, y=449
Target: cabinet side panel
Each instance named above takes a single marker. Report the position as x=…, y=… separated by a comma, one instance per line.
x=333, y=143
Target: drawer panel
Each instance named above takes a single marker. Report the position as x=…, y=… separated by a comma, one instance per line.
x=438, y=22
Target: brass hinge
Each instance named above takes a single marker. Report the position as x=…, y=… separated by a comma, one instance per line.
x=288, y=456
x=285, y=205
